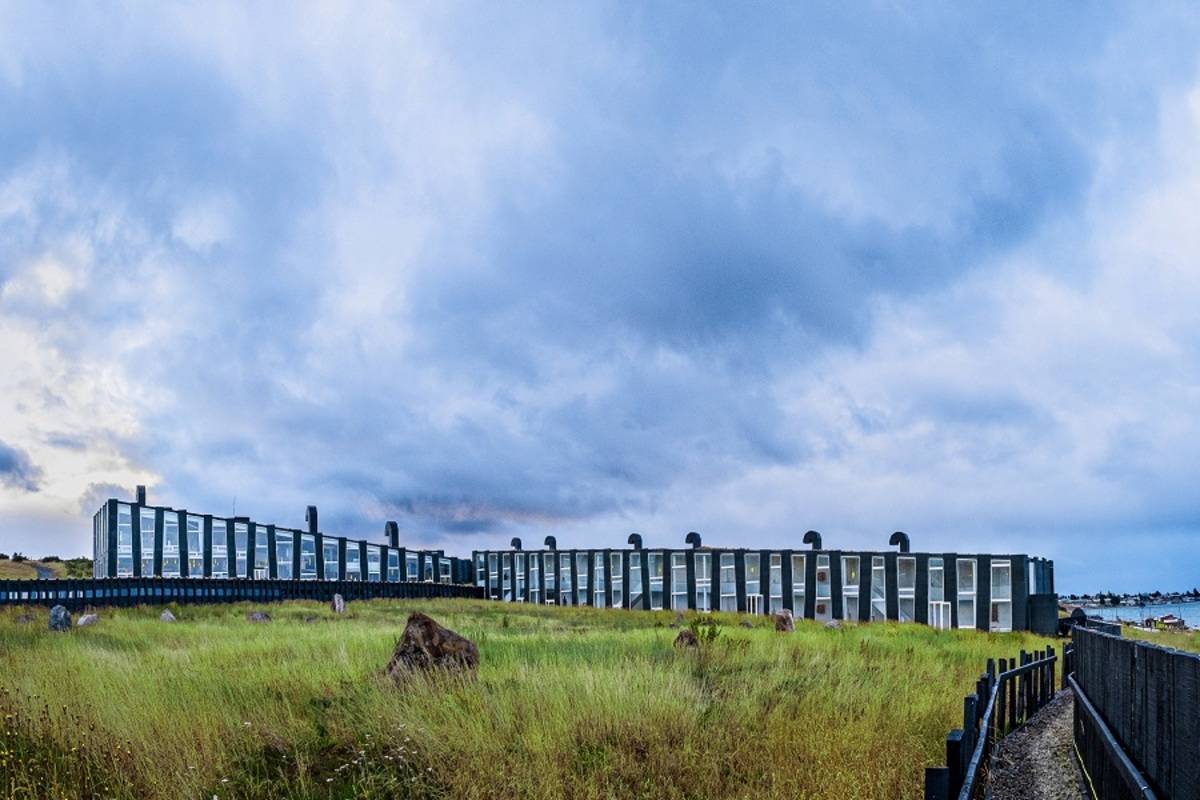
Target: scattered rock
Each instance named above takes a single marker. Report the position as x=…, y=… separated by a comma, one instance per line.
x=258, y=616
x=686, y=639
x=427, y=645
x=338, y=604
x=311, y=618
x=167, y=616
x=679, y=620
x=87, y=619
x=833, y=625
x=784, y=622
x=746, y=623
x=60, y=619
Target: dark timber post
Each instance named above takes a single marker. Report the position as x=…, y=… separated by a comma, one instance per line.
x=891, y=574
x=110, y=546
x=835, y=584
x=272, y=554
x=206, y=540
x=158, y=540
x=983, y=593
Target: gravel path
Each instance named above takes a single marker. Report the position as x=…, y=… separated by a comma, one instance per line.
x=1038, y=761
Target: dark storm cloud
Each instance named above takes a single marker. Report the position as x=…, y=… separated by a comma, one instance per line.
x=512, y=269
x=17, y=470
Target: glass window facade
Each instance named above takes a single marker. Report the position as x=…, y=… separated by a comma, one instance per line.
x=906, y=588
x=635, y=579
x=1001, y=612
x=147, y=519
x=679, y=587
x=410, y=569
x=548, y=575
x=329, y=554
x=728, y=583
x=195, y=546
x=775, y=583
x=170, y=563
x=599, y=600
x=581, y=579
x=618, y=580
x=124, y=541
x=353, y=562
x=850, y=584
x=564, y=579
x=308, y=557
x=798, y=578
x=966, y=592
x=823, y=602
x=703, y=580
x=374, y=564
x=506, y=584
x=656, y=581
x=939, y=609
x=241, y=538
x=393, y=567
x=262, y=553
x=878, y=589
x=752, y=564
x=519, y=576
x=220, y=548
x=285, y=543
x=535, y=578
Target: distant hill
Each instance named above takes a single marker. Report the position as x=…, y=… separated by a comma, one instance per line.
x=32, y=568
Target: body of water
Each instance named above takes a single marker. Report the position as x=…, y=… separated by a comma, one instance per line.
x=1189, y=612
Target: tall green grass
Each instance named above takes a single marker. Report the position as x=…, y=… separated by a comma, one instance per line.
x=574, y=703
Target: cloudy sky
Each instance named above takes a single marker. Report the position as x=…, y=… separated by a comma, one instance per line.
x=585, y=269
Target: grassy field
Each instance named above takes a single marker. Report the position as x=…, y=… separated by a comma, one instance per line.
x=28, y=569
x=576, y=703
x=1189, y=640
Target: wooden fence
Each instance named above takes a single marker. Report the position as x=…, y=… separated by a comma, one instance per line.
x=1137, y=717
x=1002, y=702
x=76, y=594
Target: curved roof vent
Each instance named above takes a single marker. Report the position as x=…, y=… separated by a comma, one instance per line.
x=635, y=539
x=551, y=543
x=392, y=531
x=515, y=544
x=813, y=538
x=899, y=538
x=693, y=539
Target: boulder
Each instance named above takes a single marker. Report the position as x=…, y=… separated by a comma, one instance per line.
x=427, y=645
x=167, y=616
x=87, y=619
x=833, y=625
x=311, y=618
x=338, y=604
x=258, y=616
x=686, y=639
x=784, y=622
x=60, y=619
x=746, y=623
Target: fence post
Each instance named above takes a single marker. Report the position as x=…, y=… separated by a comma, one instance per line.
x=937, y=783
x=954, y=760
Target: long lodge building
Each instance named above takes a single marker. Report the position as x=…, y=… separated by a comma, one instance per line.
x=987, y=592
